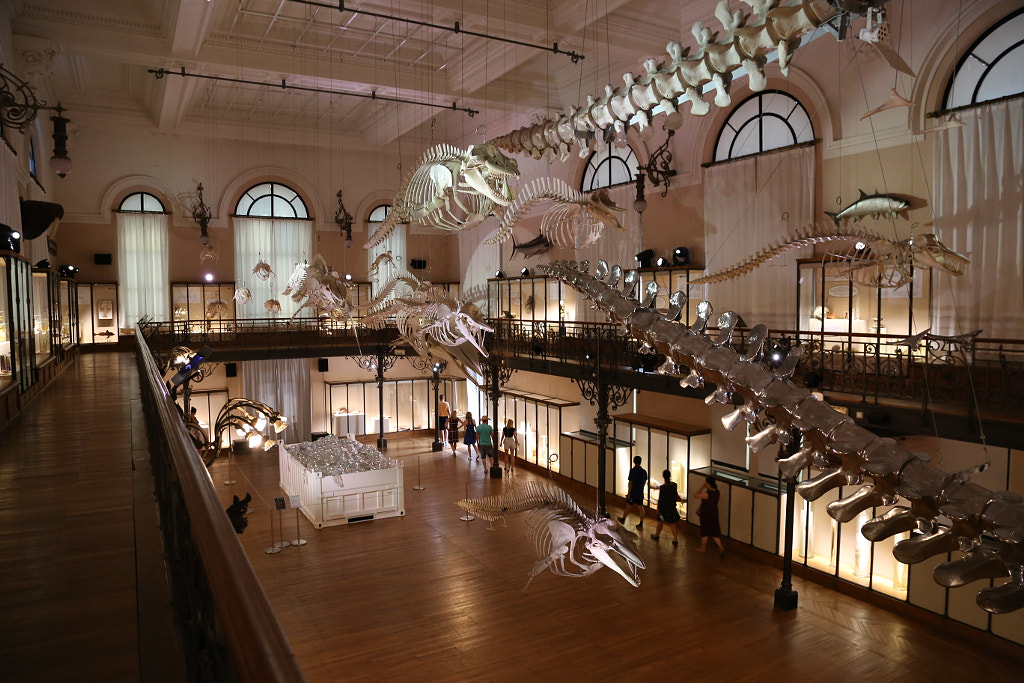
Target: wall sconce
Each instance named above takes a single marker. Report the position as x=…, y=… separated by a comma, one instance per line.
x=344, y=221
x=19, y=107
x=640, y=203
x=645, y=258
x=681, y=256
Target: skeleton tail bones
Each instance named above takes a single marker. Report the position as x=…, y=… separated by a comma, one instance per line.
x=892, y=257
x=832, y=442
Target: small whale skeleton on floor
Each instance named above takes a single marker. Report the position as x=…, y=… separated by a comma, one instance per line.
x=846, y=453
x=569, y=540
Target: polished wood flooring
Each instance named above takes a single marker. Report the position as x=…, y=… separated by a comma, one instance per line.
x=422, y=597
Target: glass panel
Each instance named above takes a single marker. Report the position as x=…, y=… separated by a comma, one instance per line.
x=405, y=412
x=65, y=312
x=991, y=68
x=775, y=133
x=104, y=314
x=41, y=317
x=6, y=367
x=379, y=214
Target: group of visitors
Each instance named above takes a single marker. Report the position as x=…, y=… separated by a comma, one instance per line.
x=668, y=512
x=478, y=437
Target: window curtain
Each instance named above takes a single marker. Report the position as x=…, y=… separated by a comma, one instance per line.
x=142, y=270
x=284, y=386
x=750, y=204
x=979, y=212
x=396, y=244
x=281, y=243
x=480, y=262
x=615, y=246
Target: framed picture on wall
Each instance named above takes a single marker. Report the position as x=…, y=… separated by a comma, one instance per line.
x=104, y=309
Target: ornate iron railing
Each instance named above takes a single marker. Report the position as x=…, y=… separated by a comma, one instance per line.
x=227, y=629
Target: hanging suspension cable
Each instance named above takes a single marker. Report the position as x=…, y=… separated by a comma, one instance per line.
x=457, y=28
x=283, y=85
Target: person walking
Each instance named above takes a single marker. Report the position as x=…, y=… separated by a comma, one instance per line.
x=484, y=432
x=470, y=438
x=635, y=493
x=668, y=513
x=453, y=431
x=444, y=410
x=510, y=442
x=708, y=513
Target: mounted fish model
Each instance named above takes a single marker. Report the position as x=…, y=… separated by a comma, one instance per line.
x=576, y=220
x=874, y=205
x=569, y=540
x=875, y=261
x=747, y=41
x=451, y=189
x=945, y=512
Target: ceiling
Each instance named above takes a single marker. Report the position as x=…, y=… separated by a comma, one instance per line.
x=96, y=58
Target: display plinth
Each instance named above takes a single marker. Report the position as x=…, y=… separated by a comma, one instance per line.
x=334, y=499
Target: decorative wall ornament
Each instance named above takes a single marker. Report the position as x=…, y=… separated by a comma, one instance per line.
x=451, y=189
x=875, y=261
x=575, y=221
x=569, y=540
x=746, y=42
x=944, y=511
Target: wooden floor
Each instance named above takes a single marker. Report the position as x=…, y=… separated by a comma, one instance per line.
x=426, y=596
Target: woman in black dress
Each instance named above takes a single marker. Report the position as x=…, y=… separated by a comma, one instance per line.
x=708, y=513
x=668, y=513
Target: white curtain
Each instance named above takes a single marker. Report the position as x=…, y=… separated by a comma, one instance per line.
x=748, y=205
x=142, y=271
x=281, y=243
x=979, y=212
x=480, y=262
x=396, y=244
x=284, y=386
x=616, y=247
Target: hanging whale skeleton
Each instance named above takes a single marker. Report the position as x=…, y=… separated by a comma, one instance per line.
x=846, y=453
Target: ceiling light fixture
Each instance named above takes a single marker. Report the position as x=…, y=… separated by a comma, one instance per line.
x=202, y=214
x=19, y=107
x=283, y=85
x=457, y=28
x=344, y=221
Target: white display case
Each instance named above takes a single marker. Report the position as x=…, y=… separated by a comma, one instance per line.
x=331, y=500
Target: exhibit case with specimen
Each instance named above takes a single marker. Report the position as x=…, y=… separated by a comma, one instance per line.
x=97, y=313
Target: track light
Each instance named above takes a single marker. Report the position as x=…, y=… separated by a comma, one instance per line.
x=645, y=257
x=499, y=274
x=525, y=272
x=662, y=262
x=681, y=256
x=10, y=238
x=67, y=271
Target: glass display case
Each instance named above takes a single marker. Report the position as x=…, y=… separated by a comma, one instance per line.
x=354, y=407
x=578, y=451
x=663, y=445
x=833, y=303
x=16, y=333
x=526, y=298
x=539, y=420
x=748, y=508
x=97, y=313
x=44, y=303
x=208, y=403
x=68, y=313
x=193, y=304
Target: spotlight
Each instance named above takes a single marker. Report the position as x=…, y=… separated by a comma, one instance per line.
x=645, y=257
x=681, y=256
x=662, y=262
x=45, y=263
x=10, y=238
x=67, y=271
x=208, y=277
x=499, y=274
x=348, y=277
x=525, y=272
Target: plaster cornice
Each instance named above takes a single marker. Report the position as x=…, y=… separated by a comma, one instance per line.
x=60, y=15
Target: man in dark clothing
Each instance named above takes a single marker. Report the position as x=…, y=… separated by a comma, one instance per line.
x=635, y=494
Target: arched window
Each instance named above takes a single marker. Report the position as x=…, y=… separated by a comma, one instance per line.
x=271, y=200
x=611, y=166
x=142, y=261
x=378, y=215
x=765, y=121
x=991, y=68
x=141, y=202
x=271, y=225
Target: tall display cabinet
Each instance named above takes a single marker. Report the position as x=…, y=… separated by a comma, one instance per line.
x=98, y=313
x=16, y=332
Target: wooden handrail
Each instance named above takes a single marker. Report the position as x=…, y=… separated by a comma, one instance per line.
x=245, y=622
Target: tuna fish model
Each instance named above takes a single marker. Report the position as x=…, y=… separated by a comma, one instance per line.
x=873, y=205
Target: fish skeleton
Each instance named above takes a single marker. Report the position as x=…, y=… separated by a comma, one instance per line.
x=873, y=205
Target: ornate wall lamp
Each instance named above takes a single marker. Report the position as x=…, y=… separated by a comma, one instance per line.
x=344, y=220
x=19, y=107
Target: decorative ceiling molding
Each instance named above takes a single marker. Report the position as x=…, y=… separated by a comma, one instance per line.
x=61, y=15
